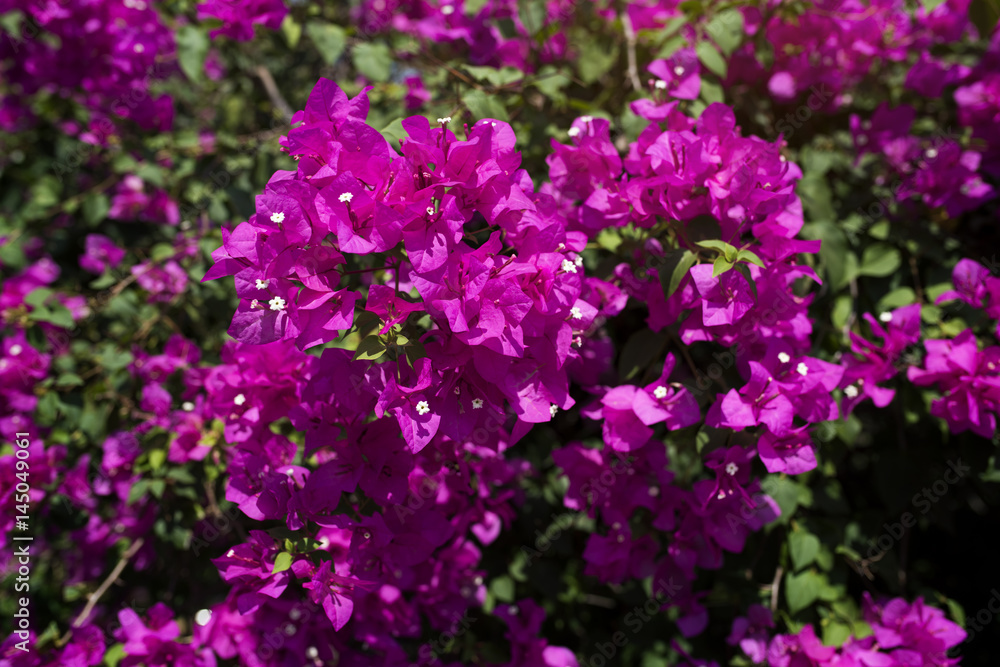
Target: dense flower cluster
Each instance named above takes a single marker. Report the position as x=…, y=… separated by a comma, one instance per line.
x=407, y=316
x=105, y=55
x=902, y=634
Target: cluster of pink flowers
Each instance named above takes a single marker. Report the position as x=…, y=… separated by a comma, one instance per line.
x=902, y=634
x=104, y=55
x=475, y=29
x=239, y=17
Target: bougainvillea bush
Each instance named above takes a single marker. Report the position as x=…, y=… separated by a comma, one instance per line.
x=479, y=332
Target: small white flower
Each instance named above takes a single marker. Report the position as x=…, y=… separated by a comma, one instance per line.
x=931, y=153
x=240, y=399
x=230, y=553
x=721, y=496
x=568, y=266
x=586, y=119
x=783, y=357
x=678, y=70
x=295, y=614
x=862, y=140
x=138, y=48
x=15, y=350
x=885, y=317
x=187, y=406
x=448, y=10
x=423, y=408
x=203, y=617
x=575, y=313
x=660, y=84
x=312, y=653
x=660, y=392
x=458, y=391
x=262, y=284
x=277, y=303
x=782, y=158
x=278, y=217
x=477, y=403
x=553, y=409
x=802, y=369
x=254, y=304
x=573, y=132
x=654, y=491
x=851, y=391
x=732, y=468
x=430, y=210
x=446, y=119
x=578, y=261
x=346, y=197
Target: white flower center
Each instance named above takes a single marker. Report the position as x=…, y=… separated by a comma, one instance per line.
x=277, y=217
x=423, y=408
x=574, y=132
x=445, y=120
x=430, y=210
x=660, y=84
x=931, y=153
x=568, y=266
x=15, y=350
x=346, y=197
x=575, y=313
x=586, y=119
x=448, y=10
x=277, y=303
x=851, y=391
x=732, y=468
x=240, y=399
x=885, y=317
x=553, y=409
x=138, y=48
x=679, y=70
x=254, y=304
x=187, y=406
x=477, y=403
x=203, y=617
x=802, y=369
x=230, y=553
x=660, y=392
x=783, y=357
x=262, y=284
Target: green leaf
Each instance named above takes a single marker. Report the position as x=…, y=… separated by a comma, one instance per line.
x=481, y=105
x=595, y=61
x=727, y=250
x=835, y=633
x=373, y=60
x=984, y=14
x=745, y=272
x=114, y=655
x=532, y=13
x=639, y=352
x=711, y=58
x=802, y=590
x=282, y=562
x=879, y=260
x=803, y=548
x=137, y=491
x=720, y=266
x=749, y=256
x=329, y=39
x=370, y=349
x=687, y=260
x=727, y=29
x=292, y=30
x=95, y=208
x=503, y=588
x=192, y=49
x=157, y=458
x=157, y=487
x=495, y=77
